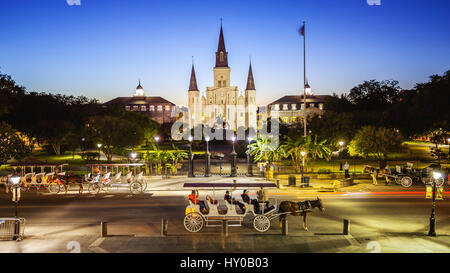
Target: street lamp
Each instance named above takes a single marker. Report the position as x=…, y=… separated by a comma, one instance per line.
x=99, y=145
x=341, y=143
x=233, y=159
x=303, y=153
x=133, y=155
x=15, y=179
x=432, y=232
x=249, y=164
x=156, y=138
x=207, y=158
x=191, y=158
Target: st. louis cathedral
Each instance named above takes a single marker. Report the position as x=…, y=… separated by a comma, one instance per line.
x=222, y=100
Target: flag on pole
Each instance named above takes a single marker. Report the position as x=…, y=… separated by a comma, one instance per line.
x=302, y=30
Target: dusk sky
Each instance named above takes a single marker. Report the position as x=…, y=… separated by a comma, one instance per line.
x=100, y=49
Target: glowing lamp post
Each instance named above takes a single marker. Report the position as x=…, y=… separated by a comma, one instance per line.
x=15, y=180
x=191, y=158
x=303, y=153
x=207, y=158
x=432, y=231
x=99, y=146
x=341, y=144
x=233, y=160
x=249, y=163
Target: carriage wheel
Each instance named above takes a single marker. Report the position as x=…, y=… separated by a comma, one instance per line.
x=94, y=188
x=144, y=186
x=406, y=181
x=261, y=223
x=136, y=188
x=440, y=182
x=398, y=179
x=53, y=188
x=193, y=222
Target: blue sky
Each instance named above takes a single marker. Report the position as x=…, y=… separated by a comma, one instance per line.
x=101, y=48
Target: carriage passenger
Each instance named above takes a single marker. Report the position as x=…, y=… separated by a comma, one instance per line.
x=247, y=200
x=194, y=199
x=232, y=201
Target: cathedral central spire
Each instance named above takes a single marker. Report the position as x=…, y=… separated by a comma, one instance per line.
x=221, y=54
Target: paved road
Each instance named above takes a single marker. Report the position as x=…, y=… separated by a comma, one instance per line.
x=373, y=217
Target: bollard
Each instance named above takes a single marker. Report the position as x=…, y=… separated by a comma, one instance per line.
x=104, y=229
x=346, y=226
x=284, y=227
x=278, y=183
x=164, y=224
x=225, y=228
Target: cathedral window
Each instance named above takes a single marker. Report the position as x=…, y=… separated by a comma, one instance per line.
x=221, y=56
x=224, y=83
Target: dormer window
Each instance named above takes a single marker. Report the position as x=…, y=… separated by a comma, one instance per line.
x=167, y=107
x=135, y=108
x=285, y=107
x=127, y=108
x=143, y=108
x=152, y=108
x=294, y=106
x=160, y=108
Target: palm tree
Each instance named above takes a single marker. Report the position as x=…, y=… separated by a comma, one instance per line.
x=264, y=150
x=313, y=148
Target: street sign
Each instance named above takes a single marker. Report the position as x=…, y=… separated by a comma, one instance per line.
x=439, y=193
x=429, y=194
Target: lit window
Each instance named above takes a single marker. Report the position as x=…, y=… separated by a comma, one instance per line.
x=294, y=119
x=160, y=108
x=321, y=106
x=143, y=108
x=294, y=106
x=285, y=107
x=127, y=108
x=277, y=107
x=152, y=108
x=167, y=107
x=285, y=119
x=135, y=108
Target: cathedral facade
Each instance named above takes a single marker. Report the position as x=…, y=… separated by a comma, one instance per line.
x=222, y=101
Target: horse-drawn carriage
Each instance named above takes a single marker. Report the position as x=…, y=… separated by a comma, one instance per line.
x=50, y=178
x=106, y=181
x=407, y=175
x=195, y=219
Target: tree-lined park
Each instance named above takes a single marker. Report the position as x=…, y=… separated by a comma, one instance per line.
x=375, y=122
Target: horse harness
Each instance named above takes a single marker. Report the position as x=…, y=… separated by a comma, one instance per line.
x=306, y=205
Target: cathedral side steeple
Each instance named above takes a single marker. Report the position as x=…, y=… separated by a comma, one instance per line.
x=193, y=81
x=250, y=81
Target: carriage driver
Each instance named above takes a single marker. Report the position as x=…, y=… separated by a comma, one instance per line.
x=263, y=198
x=194, y=199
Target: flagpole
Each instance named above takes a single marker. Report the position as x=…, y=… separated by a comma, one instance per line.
x=304, y=79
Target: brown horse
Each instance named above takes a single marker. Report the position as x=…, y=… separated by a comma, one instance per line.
x=299, y=209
